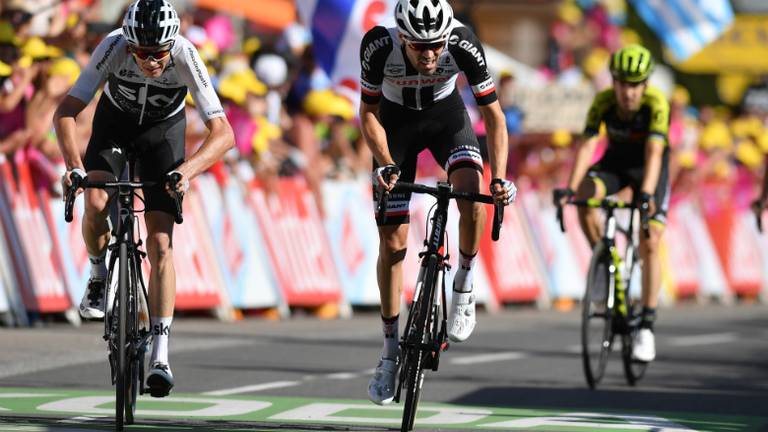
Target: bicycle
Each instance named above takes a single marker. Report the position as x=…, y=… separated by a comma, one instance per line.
x=127, y=340
x=425, y=332
x=610, y=308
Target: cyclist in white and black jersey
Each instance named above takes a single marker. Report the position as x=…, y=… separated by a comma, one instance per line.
x=409, y=103
x=146, y=69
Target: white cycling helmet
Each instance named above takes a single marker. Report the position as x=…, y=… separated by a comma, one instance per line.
x=150, y=23
x=423, y=20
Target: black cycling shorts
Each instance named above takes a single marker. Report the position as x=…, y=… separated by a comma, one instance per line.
x=616, y=177
x=159, y=149
x=445, y=129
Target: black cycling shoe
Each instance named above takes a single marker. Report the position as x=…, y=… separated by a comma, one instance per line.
x=160, y=380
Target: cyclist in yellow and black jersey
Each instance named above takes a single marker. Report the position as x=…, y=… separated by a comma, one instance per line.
x=636, y=117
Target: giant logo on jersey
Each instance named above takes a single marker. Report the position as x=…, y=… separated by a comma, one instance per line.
x=157, y=102
x=469, y=47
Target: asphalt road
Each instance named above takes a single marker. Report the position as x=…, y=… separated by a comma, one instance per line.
x=521, y=370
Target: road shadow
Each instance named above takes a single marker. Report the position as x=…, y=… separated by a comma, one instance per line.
x=51, y=424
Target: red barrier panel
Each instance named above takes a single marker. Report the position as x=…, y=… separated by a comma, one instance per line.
x=683, y=261
x=39, y=267
x=297, y=243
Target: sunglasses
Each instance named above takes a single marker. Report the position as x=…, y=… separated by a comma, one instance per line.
x=425, y=46
x=146, y=54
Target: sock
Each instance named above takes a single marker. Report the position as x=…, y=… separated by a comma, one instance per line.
x=462, y=282
x=161, y=330
x=98, y=265
x=648, y=318
x=391, y=341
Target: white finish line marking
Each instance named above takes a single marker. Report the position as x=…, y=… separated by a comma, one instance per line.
x=488, y=358
x=707, y=339
x=252, y=388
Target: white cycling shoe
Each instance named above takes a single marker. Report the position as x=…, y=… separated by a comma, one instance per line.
x=644, y=346
x=92, y=303
x=381, y=388
x=461, y=319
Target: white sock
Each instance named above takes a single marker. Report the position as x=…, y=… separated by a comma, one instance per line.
x=161, y=330
x=98, y=265
x=391, y=340
x=462, y=282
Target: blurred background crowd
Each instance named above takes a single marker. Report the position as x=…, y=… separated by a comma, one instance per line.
x=548, y=59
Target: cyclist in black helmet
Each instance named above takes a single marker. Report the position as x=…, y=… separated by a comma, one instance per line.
x=145, y=69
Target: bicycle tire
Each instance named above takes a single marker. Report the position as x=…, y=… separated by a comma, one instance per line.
x=414, y=360
x=121, y=390
x=634, y=370
x=596, y=318
x=132, y=372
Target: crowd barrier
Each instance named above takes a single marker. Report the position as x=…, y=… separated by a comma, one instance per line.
x=244, y=246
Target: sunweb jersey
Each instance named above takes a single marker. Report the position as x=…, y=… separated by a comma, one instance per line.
x=385, y=69
x=148, y=99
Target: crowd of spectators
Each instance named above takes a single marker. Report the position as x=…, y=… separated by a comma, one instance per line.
x=289, y=121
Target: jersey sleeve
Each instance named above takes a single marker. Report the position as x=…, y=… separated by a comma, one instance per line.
x=194, y=75
x=659, y=121
x=99, y=66
x=466, y=49
x=374, y=50
x=597, y=110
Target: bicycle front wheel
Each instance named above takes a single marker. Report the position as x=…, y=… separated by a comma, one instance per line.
x=134, y=361
x=121, y=387
x=416, y=340
x=596, y=317
x=634, y=370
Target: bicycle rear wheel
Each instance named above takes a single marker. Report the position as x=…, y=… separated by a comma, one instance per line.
x=121, y=387
x=634, y=370
x=596, y=317
x=418, y=335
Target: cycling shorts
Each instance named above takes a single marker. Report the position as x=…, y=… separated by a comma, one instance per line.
x=159, y=149
x=445, y=129
x=616, y=177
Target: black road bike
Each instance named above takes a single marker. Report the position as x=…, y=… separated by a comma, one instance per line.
x=607, y=308
x=126, y=335
x=425, y=335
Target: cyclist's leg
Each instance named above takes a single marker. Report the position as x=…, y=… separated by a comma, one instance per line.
x=457, y=149
x=104, y=160
x=598, y=184
x=161, y=150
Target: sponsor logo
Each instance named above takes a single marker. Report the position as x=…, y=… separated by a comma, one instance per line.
x=394, y=69
x=375, y=45
x=127, y=73
x=422, y=81
x=117, y=150
x=161, y=329
x=200, y=75
x=468, y=47
x=108, y=53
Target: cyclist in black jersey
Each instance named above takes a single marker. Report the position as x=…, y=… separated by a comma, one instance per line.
x=146, y=69
x=636, y=117
x=414, y=66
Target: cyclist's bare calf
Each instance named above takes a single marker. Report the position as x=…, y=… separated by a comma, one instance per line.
x=650, y=254
x=472, y=219
x=589, y=218
x=95, y=227
x=393, y=242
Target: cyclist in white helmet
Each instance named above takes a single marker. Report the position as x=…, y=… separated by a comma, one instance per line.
x=145, y=69
x=409, y=103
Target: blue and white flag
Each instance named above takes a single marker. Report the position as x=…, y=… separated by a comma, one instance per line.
x=337, y=27
x=685, y=26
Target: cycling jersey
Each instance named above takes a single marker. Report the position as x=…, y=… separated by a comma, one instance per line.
x=623, y=163
x=627, y=138
x=385, y=69
x=146, y=99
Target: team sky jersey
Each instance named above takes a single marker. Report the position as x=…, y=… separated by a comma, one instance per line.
x=627, y=138
x=386, y=69
x=148, y=99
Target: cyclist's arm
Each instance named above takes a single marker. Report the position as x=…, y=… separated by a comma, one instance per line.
x=374, y=133
x=66, y=130
x=219, y=140
x=654, y=151
x=498, y=140
x=584, y=153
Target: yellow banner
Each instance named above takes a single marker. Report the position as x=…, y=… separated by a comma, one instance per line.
x=743, y=48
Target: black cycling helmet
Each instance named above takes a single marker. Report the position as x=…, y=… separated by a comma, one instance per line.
x=150, y=23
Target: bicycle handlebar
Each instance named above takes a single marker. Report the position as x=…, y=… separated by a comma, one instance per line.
x=498, y=209
x=605, y=204
x=79, y=182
